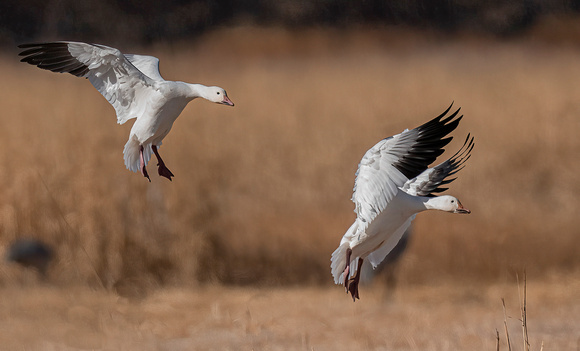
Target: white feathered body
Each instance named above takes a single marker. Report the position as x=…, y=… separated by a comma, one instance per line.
x=165, y=103
x=375, y=240
x=382, y=231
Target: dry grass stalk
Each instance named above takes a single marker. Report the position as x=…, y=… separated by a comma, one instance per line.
x=507, y=334
x=524, y=314
x=523, y=319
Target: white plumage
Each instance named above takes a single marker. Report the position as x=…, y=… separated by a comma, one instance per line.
x=393, y=183
x=133, y=85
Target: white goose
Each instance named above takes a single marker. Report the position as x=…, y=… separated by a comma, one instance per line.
x=393, y=183
x=135, y=88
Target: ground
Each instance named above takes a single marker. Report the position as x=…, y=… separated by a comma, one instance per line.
x=451, y=316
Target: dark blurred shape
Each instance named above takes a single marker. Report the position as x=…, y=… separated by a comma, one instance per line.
x=145, y=21
x=30, y=253
x=387, y=270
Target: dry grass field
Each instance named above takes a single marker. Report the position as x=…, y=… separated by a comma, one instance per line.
x=436, y=317
x=217, y=258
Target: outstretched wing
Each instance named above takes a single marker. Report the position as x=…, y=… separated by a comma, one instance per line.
x=393, y=161
x=428, y=182
x=114, y=76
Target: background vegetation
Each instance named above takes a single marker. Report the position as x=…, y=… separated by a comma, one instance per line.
x=261, y=194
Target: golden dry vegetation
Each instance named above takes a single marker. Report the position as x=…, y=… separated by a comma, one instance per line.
x=436, y=317
x=261, y=195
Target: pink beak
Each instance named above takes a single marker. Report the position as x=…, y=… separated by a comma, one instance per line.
x=462, y=209
x=227, y=101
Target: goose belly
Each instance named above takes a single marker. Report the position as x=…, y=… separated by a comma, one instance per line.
x=153, y=127
x=382, y=227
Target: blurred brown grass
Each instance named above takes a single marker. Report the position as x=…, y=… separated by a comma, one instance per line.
x=430, y=317
x=261, y=193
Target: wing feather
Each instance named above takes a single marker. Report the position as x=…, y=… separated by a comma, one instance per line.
x=149, y=65
x=109, y=71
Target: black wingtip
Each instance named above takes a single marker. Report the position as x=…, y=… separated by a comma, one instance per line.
x=430, y=141
x=53, y=56
x=446, y=111
x=27, y=45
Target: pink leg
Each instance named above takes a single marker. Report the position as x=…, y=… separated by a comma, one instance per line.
x=162, y=170
x=142, y=164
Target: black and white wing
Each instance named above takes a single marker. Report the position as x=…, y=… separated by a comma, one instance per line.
x=111, y=73
x=390, y=164
x=429, y=181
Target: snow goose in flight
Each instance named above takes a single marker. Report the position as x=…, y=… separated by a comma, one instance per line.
x=393, y=183
x=135, y=88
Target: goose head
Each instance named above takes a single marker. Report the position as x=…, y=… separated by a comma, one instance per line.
x=450, y=204
x=217, y=95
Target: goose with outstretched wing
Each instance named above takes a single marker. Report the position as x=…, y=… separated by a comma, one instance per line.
x=393, y=183
x=135, y=88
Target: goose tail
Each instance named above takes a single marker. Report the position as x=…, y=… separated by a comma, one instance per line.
x=131, y=154
x=338, y=259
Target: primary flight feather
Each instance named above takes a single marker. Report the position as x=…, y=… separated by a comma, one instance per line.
x=135, y=88
x=393, y=183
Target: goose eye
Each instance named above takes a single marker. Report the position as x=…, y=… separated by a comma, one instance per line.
x=218, y=92
x=452, y=201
